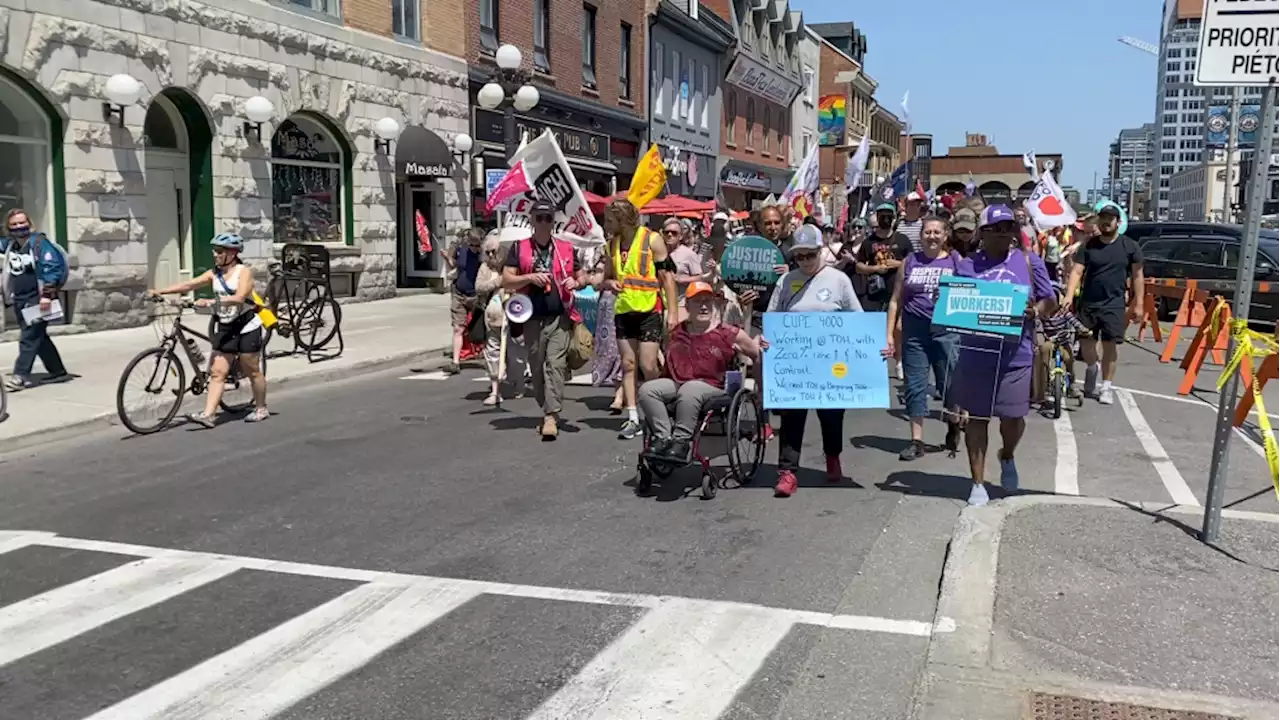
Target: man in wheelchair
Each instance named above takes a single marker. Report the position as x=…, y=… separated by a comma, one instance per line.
x=699, y=353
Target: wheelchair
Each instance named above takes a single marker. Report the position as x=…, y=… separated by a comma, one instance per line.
x=738, y=417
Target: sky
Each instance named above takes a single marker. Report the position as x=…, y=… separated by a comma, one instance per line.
x=1029, y=74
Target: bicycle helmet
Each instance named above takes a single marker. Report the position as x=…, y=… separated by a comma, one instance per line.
x=228, y=240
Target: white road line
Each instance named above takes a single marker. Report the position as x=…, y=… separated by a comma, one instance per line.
x=271, y=672
x=583, y=379
x=36, y=623
x=685, y=659
x=1066, y=480
x=1189, y=400
x=434, y=375
x=593, y=597
x=1173, y=481
x=10, y=541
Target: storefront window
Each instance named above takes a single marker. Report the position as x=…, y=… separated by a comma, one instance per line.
x=307, y=183
x=24, y=155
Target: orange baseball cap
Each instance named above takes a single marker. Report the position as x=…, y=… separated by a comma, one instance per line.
x=697, y=288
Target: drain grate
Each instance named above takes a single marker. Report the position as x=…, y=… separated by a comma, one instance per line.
x=1068, y=707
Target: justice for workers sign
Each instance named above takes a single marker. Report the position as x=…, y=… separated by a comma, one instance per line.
x=1238, y=42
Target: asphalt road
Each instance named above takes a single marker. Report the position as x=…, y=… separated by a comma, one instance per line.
x=386, y=548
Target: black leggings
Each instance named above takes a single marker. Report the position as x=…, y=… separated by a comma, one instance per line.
x=791, y=435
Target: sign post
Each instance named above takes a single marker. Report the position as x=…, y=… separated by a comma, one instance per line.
x=1238, y=47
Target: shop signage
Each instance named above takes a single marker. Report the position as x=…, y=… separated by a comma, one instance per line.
x=757, y=79
x=675, y=165
x=573, y=142
x=415, y=169
x=749, y=179
x=491, y=180
x=420, y=153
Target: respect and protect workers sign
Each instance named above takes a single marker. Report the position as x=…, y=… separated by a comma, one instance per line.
x=982, y=307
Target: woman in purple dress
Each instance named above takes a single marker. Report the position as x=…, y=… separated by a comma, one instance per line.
x=993, y=375
x=924, y=347
x=606, y=366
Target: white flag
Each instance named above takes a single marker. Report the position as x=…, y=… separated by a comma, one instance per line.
x=1029, y=162
x=552, y=180
x=1047, y=206
x=906, y=112
x=857, y=165
x=805, y=179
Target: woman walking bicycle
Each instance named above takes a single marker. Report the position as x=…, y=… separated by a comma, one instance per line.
x=237, y=333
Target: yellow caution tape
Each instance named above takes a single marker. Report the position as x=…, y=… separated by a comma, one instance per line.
x=1256, y=345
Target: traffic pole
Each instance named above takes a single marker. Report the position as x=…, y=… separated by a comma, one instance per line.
x=1245, y=275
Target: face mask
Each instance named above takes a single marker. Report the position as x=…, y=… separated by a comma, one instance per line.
x=20, y=232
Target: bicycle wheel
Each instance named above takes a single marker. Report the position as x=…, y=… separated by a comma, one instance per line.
x=4, y=401
x=158, y=365
x=318, y=320
x=1059, y=384
x=237, y=393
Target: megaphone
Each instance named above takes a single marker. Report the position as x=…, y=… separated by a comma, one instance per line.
x=519, y=308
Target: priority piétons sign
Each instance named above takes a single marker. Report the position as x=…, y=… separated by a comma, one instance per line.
x=1238, y=42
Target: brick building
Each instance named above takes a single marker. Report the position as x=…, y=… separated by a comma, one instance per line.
x=836, y=67
x=135, y=190
x=999, y=178
x=587, y=61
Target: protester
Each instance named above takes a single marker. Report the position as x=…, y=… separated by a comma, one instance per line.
x=639, y=272
x=923, y=347
x=677, y=237
x=1006, y=395
x=548, y=270
x=606, y=362
x=811, y=287
x=831, y=246
x=912, y=221
x=1025, y=225
x=1104, y=267
x=489, y=301
x=963, y=226
x=881, y=256
x=1051, y=249
x=463, y=260
x=699, y=353
x=35, y=269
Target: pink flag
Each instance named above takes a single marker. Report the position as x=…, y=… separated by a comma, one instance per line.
x=512, y=185
x=424, y=235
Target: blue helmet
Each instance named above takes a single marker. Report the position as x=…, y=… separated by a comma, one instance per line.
x=228, y=240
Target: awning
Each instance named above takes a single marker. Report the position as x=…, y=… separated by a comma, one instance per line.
x=421, y=153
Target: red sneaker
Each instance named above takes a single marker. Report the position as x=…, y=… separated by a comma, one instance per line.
x=834, y=473
x=786, y=486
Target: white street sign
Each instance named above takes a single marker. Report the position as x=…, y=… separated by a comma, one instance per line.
x=1238, y=42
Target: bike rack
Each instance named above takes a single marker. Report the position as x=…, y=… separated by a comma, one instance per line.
x=302, y=268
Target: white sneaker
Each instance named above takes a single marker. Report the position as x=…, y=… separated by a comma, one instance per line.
x=978, y=496
x=1106, y=396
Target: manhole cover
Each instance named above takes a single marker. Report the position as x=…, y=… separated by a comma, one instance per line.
x=1067, y=707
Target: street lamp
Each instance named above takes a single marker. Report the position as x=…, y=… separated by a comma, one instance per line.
x=509, y=88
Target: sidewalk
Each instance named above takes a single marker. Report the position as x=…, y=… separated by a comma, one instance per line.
x=378, y=335
x=1065, y=607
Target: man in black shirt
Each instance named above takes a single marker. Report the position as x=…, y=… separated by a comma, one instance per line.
x=1104, y=267
x=880, y=257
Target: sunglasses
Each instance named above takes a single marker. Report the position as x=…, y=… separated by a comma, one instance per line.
x=670, y=232
x=544, y=218
x=801, y=257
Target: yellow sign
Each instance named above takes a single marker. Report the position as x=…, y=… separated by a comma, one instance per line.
x=839, y=370
x=649, y=178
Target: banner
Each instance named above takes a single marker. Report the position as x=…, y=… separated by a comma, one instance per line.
x=551, y=179
x=1218, y=123
x=981, y=307
x=831, y=119
x=748, y=264
x=805, y=179
x=820, y=360
x=1048, y=206
x=649, y=178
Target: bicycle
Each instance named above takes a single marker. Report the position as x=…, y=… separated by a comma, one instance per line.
x=1061, y=379
x=162, y=362
x=308, y=312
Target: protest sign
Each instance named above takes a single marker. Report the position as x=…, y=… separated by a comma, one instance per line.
x=969, y=305
x=550, y=179
x=819, y=360
x=748, y=264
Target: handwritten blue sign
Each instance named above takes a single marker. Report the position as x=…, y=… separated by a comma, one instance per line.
x=982, y=307
x=491, y=180
x=820, y=360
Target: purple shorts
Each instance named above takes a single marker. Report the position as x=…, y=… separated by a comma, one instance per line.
x=985, y=391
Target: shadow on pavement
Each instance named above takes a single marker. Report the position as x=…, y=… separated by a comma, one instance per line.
x=892, y=446
x=1160, y=518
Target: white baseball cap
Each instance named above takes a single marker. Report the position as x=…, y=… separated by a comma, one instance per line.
x=914, y=197
x=720, y=216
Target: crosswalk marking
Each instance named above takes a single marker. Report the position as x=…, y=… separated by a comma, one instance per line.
x=1173, y=481
x=10, y=541
x=31, y=625
x=1066, y=479
x=682, y=660
x=271, y=672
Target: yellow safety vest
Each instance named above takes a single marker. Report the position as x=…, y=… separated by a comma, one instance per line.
x=638, y=277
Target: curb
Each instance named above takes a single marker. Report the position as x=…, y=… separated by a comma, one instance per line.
x=310, y=376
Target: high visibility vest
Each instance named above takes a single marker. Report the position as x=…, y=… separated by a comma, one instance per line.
x=638, y=277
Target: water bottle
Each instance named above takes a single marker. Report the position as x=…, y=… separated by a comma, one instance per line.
x=195, y=351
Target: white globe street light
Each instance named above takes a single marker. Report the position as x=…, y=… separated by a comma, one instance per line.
x=508, y=57
x=387, y=129
x=490, y=96
x=258, y=109
x=121, y=91
x=526, y=98
x=462, y=143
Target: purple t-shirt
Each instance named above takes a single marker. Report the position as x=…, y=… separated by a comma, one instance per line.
x=1013, y=269
x=920, y=278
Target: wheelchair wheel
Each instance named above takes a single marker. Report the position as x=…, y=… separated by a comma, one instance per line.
x=644, y=479
x=708, y=486
x=743, y=423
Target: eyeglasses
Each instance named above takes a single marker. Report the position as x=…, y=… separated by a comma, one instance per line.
x=670, y=232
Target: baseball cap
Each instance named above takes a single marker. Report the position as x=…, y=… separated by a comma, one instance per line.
x=914, y=197
x=993, y=214
x=965, y=219
x=808, y=237
x=541, y=206
x=698, y=288
x=1109, y=207
x=720, y=216
x=887, y=206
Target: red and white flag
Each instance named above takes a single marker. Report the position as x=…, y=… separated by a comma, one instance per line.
x=1047, y=206
x=512, y=185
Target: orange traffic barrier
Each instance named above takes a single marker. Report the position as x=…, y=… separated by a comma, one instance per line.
x=1191, y=312
x=1269, y=371
x=1211, y=337
x=1150, y=314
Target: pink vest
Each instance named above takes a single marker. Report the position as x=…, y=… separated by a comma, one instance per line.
x=561, y=268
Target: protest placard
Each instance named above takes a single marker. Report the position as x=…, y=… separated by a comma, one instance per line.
x=748, y=264
x=983, y=307
x=820, y=360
